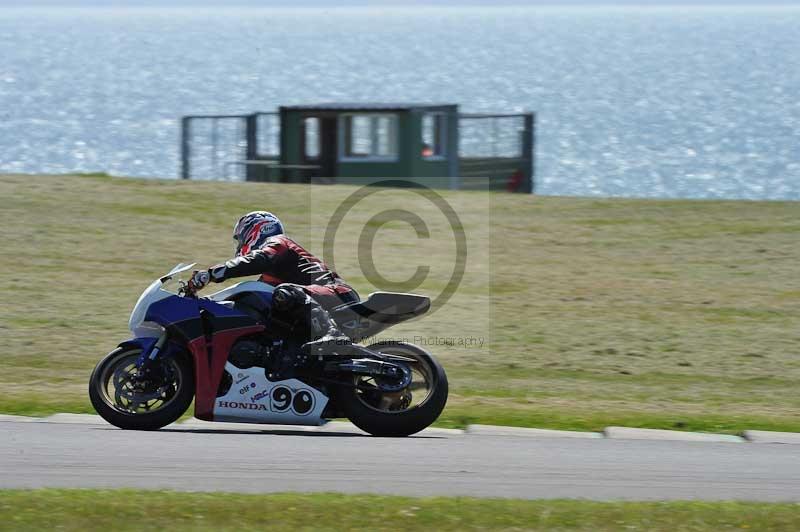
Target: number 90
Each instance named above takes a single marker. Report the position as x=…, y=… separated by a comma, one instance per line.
x=282, y=399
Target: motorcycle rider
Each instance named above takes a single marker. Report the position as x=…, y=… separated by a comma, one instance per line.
x=305, y=287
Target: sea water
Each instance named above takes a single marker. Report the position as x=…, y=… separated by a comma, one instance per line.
x=667, y=102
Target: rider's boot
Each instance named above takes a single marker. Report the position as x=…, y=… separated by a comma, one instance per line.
x=327, y=338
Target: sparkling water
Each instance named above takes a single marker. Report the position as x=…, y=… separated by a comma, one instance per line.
x=679, y=102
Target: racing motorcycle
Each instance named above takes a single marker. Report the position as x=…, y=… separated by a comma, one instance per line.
x=224, y=352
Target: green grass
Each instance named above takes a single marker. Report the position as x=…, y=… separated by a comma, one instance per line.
x=164, y=510
x=592, y=312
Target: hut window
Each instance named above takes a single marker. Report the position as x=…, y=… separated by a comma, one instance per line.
x=434, y=140
x=311, y=126
x=369, y=137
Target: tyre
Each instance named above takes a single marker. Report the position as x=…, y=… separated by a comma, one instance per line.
x=141, y=404
x=399, y=413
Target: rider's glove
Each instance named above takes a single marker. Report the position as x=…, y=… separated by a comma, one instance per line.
x=199, y=279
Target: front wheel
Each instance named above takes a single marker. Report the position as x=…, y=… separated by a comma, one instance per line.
x=401, y=413
x=129, y=401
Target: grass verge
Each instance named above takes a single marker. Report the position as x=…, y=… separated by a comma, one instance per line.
x=585, y=312
x=162, y=510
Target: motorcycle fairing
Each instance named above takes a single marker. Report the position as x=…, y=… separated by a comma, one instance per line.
x=381, y=310
x=252, y=398
x=209, y=330
x=247, y=286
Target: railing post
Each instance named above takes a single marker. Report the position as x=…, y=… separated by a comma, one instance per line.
x=214, y=150
x=185, y=170
x=528, y=151
x=453, y=144
x=251, y=138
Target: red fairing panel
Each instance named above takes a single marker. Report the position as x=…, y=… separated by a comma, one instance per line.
x=208, y=372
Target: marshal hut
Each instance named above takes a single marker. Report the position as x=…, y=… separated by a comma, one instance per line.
x=354, y=143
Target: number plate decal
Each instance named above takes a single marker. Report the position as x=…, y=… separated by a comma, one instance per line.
x=288, y=402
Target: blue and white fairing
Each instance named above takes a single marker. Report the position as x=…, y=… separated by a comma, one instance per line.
x=252, y=397
x=152, y=294
x=141, y=328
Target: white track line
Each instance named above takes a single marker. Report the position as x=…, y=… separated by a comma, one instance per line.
x=78, y=419
x=625, y=433
x=496, y=430
x=622, y=433
x=16, y=419
x=763, y=436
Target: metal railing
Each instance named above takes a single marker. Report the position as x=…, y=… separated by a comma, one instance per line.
x=496, y=152
x=274, y=171
x=209, y=142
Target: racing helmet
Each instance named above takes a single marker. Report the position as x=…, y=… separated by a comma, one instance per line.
x=253, y=229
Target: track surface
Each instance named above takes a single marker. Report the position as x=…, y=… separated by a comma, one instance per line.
x=38, y=454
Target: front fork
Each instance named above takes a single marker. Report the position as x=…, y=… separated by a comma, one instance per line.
x=148, y=355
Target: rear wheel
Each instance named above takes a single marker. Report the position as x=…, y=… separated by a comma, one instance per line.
x=141, y=403
x=401, y=413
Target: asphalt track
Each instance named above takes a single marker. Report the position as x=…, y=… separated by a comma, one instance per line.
x=248, y=459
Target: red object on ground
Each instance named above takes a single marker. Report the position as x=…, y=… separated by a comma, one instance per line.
x=514, y=181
